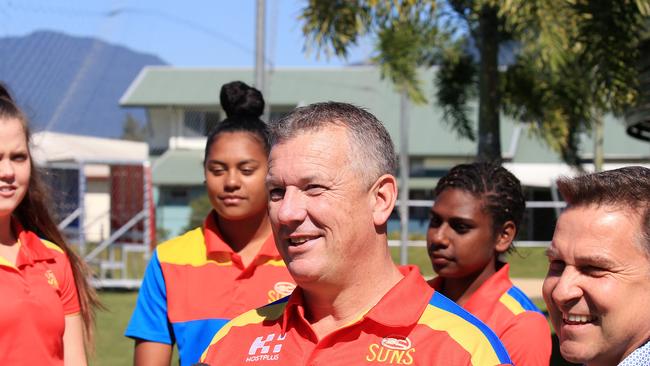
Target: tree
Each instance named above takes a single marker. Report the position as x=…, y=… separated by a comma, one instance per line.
x=200, y=207
x=133, y=130
x=574, y=60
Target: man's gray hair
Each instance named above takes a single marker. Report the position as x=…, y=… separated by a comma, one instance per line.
x=372, y=151
x=625, y=188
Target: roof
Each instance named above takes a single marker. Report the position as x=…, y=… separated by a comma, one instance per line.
x=60, y=147
x=178, y=167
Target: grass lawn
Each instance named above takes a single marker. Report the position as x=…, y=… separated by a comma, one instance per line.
x=112, y=347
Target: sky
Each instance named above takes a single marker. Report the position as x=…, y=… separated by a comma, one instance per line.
x=185, y=33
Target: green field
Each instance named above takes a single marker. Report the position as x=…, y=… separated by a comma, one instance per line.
x=113, y=349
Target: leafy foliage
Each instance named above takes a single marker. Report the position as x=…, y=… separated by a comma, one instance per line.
x=133, y=130
x=200, y=207
x=576, y=60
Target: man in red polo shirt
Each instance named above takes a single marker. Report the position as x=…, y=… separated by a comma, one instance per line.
x=332, y=189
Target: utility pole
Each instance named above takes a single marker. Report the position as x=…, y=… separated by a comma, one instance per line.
x=599, y=143
x=260, y=69
x=404, y=176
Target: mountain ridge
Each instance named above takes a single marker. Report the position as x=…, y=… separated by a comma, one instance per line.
x=72, y=84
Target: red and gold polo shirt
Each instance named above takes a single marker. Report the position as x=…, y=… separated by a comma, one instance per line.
x=37, y=293
x=520, y=325
x=410, y=325
x=195, y=283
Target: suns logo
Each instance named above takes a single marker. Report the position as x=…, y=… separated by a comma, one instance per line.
x=280, y=290
x=51, y=279
x=392, y=350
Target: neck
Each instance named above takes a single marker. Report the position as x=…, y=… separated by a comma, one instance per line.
x=7, y=236
x=239, y=234
x=460, y=290
x=332, y=306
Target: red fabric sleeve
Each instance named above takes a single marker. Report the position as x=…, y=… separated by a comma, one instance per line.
x=528, y=339
x=69, y=296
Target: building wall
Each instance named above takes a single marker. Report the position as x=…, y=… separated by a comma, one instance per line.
x=161, y=128
x=97, y=203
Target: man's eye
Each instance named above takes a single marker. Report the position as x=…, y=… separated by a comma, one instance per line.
x=314, y=189
x=276, y=194
x=555, y=266
x=434, y=222
x=594, y=271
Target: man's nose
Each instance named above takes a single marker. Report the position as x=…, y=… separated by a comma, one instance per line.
x=567, y=289
x=292, y=207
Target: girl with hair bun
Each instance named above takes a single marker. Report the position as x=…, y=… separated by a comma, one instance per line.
x=474, y=219
x=198, y=281
x=47, y=307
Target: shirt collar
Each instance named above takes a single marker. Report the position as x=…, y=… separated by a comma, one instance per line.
x=412, y=286
x=32, y=248
x=215, y=243
x=489, y=292
x=640, y=356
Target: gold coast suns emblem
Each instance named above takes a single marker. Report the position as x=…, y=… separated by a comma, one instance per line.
x=51, y=279
x=280, y=290
x=392, y=350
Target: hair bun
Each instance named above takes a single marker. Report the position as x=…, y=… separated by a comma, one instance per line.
x=4, y=92
x=239, y=99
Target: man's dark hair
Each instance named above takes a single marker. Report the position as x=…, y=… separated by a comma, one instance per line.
x=625, y=188
x=499, y=189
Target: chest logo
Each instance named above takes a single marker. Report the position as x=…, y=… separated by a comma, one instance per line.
x=280, y=290
x=392, y=350
x=266, y=349
x=51, y=279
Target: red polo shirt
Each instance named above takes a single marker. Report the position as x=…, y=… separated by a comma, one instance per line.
x=37, y=293
x=410, y=325
x=520, y=325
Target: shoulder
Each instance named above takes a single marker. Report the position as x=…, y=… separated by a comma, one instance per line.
x=265, y=316
x=517, y=302
x=270, y=312
x=184, y=249
x=56, y=250
x=442, y=314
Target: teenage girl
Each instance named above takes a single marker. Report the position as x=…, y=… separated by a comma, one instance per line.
x=475, y=218
x=47, y=306
x=200, y=280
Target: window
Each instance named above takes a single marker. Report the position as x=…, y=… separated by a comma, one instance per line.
x=199, y=123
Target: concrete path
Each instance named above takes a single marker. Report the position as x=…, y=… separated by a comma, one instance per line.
x=530, y=286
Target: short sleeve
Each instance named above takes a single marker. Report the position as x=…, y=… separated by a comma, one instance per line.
x=69, y=295
x=149, y=321
x=528, y=339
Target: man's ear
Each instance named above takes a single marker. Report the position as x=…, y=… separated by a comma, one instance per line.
x=384, y=194
x=505, y=236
